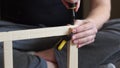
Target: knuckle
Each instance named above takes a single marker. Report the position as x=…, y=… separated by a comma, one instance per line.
x=93, y=40
x=95, y=30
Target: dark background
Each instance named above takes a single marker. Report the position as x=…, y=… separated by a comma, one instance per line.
x=115, y=13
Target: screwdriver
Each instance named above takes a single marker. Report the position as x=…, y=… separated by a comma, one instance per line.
x=64, y=39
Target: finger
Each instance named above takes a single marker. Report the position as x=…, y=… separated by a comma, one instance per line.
x=65, y=3
x=77, y=23
x=84, y=34
x=84, y=27
x=81, y=45
x=77, y=6
x=84, y=40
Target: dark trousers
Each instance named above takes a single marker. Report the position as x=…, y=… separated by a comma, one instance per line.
x=105, y=49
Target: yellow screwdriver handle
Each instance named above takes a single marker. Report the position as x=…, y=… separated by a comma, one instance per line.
x=62, y=44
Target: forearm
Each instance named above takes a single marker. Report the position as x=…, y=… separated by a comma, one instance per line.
x=100, y=12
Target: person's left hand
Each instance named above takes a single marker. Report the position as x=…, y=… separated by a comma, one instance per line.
x=77, y=2
x=84, y=33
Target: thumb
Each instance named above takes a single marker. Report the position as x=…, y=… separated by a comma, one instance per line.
x=65, y=4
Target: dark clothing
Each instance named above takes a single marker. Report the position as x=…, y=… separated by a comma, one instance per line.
x=105, y=49
x=35, y=12
x=53, y=13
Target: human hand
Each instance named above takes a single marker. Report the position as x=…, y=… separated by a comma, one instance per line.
x=77, y=2
x=84, y=33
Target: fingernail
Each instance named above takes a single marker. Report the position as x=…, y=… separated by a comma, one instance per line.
x=74, y=31
x=79, y=46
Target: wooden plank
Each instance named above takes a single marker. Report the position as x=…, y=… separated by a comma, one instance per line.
x=8, y=54
x=72, y=57
x=35, y=33
x=8, y=37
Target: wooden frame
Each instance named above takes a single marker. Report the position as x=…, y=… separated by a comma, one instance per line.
x=8, y=37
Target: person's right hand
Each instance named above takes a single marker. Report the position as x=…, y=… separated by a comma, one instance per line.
x=77, y=2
